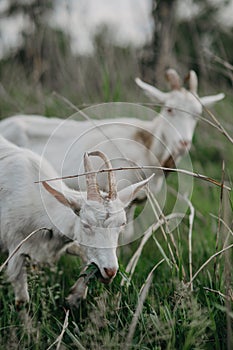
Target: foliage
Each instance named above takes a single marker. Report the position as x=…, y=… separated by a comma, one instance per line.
x=209, y=39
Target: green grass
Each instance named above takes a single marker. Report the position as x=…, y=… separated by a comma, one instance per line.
x=173, y=316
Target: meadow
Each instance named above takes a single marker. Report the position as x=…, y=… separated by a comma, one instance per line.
x=168, y=302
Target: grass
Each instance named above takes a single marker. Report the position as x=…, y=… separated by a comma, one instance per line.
x=172, y=316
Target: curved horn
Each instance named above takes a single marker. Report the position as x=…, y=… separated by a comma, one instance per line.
x=93, y=192
x=173, y=78
x=192, y=81
x=111, y=177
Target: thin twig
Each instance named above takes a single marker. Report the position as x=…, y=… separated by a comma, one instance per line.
x=142, y=296
x=217, y=292
x=152, y=167
x=59, y=338
x=20, y=245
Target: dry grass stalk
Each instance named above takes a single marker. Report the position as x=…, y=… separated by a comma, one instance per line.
x=219, y=125
x=216, y=266
x=130, y=268
x=230, y=232
x=227, y=216
x=208, y=261
x=141, y=299
x=228, y=301
x=20, y=245
x=60, y=337
x=218, y=292
x=191, y=220
x=218, y=59
x=167, y=234
x=153, y=199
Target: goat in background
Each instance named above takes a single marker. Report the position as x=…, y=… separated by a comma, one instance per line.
x=161, y=141
x=127, y=141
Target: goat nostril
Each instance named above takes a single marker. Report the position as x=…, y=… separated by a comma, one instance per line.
x=110, y=272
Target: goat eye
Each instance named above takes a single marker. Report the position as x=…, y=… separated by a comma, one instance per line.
x=170, y=110
x=87, y=226
x=77, y=211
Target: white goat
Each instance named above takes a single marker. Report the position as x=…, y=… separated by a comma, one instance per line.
x=91, y=219
x=126, y=141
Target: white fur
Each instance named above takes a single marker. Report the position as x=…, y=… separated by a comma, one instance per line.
x=26, y=206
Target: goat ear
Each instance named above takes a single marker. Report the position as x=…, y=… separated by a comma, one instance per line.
x=128, y=194
x=210, y=100
x=61, y=198
x=152, y=92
